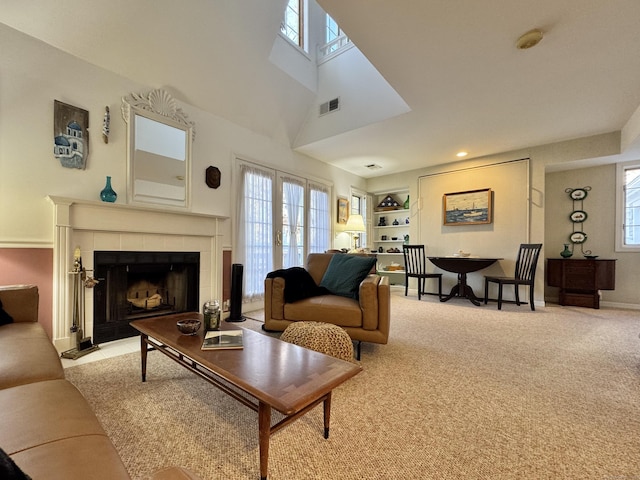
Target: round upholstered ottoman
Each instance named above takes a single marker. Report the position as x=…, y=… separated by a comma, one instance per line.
x=320, y=337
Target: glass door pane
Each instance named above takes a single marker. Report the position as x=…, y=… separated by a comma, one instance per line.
x=292, y=221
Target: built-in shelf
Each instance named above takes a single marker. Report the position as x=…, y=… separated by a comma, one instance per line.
x=391, y=212
x=389, y=230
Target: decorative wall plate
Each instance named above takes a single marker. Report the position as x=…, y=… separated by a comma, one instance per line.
x=578, y=216
x=212, y=177
x=578, y=193
x=578, y=237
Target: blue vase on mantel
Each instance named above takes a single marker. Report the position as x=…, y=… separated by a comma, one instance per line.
x=108, y=194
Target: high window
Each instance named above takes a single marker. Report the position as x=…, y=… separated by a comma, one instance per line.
x=358, y=205
x=292, y=25
x=332, y=29
x=628, y=218
x=335, y=39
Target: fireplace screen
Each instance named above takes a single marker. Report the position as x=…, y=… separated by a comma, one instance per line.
x=136, y=285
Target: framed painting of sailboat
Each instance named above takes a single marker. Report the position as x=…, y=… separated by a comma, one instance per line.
x=472, y=207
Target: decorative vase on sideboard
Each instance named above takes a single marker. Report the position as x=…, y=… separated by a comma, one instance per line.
x=108, y=194
x=566, y=253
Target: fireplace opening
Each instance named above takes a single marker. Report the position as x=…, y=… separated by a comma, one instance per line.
x=136, y=285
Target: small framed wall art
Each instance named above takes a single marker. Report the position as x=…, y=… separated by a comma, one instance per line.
x=70, y=135
x=343, y=210
x=473, y=207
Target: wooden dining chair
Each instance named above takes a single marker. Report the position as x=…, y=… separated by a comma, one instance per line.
x=525, y=274
x=415, y=266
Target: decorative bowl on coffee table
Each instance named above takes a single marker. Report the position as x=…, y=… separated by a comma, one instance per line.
x=189, y=326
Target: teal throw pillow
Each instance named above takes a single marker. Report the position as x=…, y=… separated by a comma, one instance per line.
x=345, y=272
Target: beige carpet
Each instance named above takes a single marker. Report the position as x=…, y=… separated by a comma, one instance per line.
x=460, y=392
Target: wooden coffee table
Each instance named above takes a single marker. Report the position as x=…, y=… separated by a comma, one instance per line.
x=267, y=373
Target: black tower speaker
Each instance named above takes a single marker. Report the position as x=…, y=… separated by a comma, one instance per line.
x=235, y=309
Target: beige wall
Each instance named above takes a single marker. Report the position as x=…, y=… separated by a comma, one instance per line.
x=543, y=203
x=34, y=74
x=600, y=205
x=499, y=239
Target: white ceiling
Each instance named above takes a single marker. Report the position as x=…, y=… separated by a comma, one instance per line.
x=454, y=63
x=470, y=88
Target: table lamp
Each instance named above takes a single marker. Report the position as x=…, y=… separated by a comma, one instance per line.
x=355, y=224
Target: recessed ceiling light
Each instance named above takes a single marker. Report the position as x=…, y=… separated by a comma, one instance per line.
x=462, y=154
x=529, y=39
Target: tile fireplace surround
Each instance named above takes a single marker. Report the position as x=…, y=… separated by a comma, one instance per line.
x=111, y=226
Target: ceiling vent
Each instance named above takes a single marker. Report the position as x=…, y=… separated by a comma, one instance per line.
x=330, y=106
x=373, y=166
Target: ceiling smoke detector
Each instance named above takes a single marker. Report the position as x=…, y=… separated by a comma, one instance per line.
x=529, y=39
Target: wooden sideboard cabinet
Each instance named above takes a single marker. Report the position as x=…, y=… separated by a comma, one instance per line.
x=580, y=280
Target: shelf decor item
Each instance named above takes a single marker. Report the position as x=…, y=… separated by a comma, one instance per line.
x=388, y=203
x=108, y=194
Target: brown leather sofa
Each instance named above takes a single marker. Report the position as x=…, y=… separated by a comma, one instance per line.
x=46, y=426
x=365, y=319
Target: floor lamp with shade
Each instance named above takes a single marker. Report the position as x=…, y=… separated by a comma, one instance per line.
x=355, y=225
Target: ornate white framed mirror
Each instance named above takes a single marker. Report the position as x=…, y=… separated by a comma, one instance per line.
x=159, y=138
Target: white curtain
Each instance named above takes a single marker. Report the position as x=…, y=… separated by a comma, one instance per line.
x=319, y=218
x=254, y=229
x=293, y=207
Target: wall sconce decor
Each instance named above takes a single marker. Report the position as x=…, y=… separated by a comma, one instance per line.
x=577, y=217
x=106, y=125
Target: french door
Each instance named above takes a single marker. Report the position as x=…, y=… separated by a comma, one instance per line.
x=281, y=219
x=289, y=221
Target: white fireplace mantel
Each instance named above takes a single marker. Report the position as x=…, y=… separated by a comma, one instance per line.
x=93, y=225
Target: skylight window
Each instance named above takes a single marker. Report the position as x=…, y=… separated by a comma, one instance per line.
x=333, y=29
x=292, y=25
x=335, y=39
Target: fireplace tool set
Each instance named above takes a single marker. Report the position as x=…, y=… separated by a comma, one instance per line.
x=84, y=345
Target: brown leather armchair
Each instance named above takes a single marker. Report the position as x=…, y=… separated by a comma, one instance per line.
x=365, y=319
